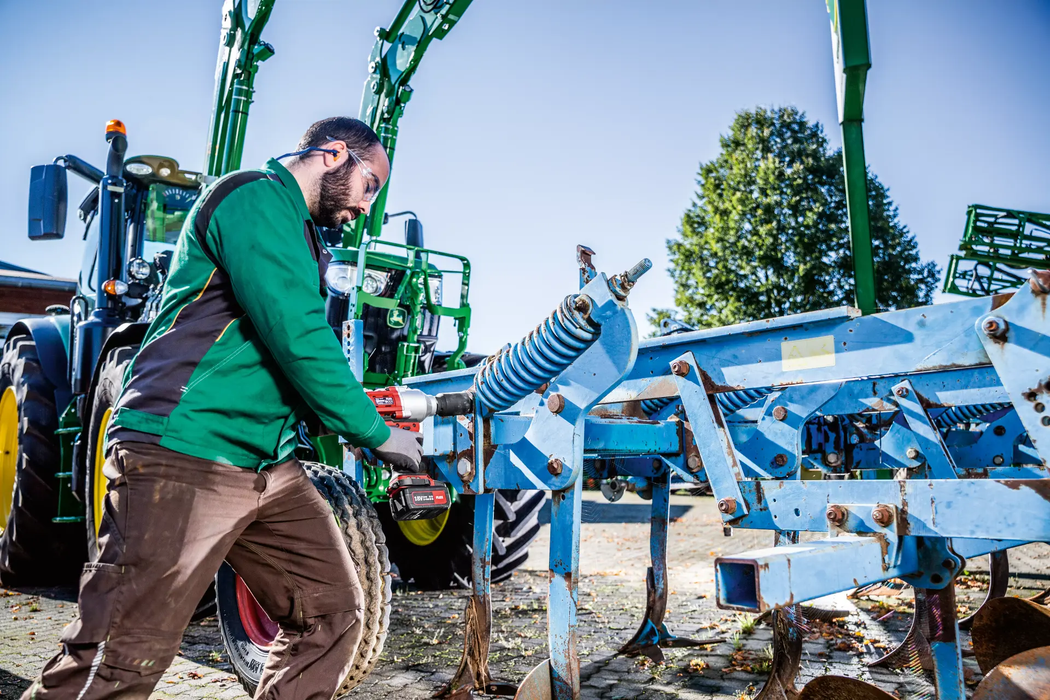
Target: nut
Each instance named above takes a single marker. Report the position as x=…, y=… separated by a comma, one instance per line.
x=554, y=466
x=995, y=327
x=727, y=506
x=836, y=515
x=998, y=460
x=780, y=459
x=555, y=403
x=882, y=515
x=990, y=326
x=901, y=391
x=464, y=468
x=694, y=464
x=679, y=368
x=832, y=459
x=913, y=453
x=780, y=413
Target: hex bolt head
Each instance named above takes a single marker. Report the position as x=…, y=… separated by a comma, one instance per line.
x=882, y=515
x=555, y=466
x=727, y=506
x=901, y=391
x=780, y=459
x=836, y=515
x=780, y=413
x=832, y=459
x=679, y=368
x=913, y=453
x=463, y=468
x=694, y=463
x=994, y=326
x=998, y=460
x=555, y=403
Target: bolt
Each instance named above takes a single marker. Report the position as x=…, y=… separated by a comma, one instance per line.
x=679, y=368
x=836, y=515
x=882, y=515
x=1045, y=421
x=780, y=459
x=913, y=453
x=463, y=468
x=780, y=413
x=948, y=564
x=998, y=460
x=999, y=430
x=727, y=506
x=694, y=463
x=554, y=466
x=1039, y=408
x=832, y=459
x=994, y=327
x=555, y=403
x=901, y=391
x=583, y=304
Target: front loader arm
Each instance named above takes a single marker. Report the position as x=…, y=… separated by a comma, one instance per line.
x=241, y=50
x=395, y=57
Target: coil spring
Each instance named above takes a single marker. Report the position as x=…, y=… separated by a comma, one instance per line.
x=962, y=414
x=651, y=406
x=519, y=370
x=733, y=401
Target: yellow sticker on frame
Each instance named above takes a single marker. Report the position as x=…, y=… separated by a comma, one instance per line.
x=808, y=354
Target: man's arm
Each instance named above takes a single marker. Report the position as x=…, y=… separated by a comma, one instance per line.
x=264, y=252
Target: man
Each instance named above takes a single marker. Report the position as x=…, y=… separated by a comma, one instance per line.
x=200, y=460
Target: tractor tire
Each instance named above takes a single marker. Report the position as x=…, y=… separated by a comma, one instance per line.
x=446, y=561
x=34, y=550
x=245, y=627
x=107, y=389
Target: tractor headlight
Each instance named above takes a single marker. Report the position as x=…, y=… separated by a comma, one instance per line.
x=341, y=278
x=139, y=269
x=435, y=289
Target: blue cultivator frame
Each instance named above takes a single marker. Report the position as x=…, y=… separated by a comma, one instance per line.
x=914, y=440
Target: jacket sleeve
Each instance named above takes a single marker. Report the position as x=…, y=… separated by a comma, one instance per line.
x=259, y=239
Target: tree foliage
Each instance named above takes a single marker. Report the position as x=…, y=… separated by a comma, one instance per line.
x=767, y=233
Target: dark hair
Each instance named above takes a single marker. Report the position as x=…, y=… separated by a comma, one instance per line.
x=358, y=136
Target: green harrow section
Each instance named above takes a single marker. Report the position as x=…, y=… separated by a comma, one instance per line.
x=998, y=245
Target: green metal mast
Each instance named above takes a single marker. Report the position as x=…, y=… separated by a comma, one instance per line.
x=395, y=57
x=849, y=42
x=240, y=52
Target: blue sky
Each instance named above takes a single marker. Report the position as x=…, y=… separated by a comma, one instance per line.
x=539, y=125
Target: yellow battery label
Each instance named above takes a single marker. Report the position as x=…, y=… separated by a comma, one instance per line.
x=808, y=354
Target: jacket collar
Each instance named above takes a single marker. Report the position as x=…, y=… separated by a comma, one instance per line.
x=289, y=181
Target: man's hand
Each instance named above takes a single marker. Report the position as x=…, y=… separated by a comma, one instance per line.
x=403, y=450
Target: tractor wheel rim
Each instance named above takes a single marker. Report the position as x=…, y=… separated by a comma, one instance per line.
x=8, y=452
x=423, y=532
x=261, y=630
x=100, y=482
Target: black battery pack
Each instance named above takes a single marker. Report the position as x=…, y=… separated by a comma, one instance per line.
x=417, y=497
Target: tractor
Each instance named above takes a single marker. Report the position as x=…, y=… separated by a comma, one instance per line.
x=60, y=374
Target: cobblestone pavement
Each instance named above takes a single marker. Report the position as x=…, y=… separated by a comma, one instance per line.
x=426, y=638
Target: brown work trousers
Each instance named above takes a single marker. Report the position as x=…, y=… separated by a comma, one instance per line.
x=169, y=522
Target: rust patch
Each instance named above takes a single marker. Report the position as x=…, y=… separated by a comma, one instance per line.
x=712, y=388
x=903, y=524
x=1040, y=486
x=1000, y=299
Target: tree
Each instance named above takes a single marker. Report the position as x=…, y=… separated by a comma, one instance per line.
x=767, y=233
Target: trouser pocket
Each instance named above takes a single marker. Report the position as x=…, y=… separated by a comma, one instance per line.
x=98, y=588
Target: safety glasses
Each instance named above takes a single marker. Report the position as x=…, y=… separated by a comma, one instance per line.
x=372, y=185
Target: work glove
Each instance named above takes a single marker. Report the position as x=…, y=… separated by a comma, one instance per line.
x=403, y=450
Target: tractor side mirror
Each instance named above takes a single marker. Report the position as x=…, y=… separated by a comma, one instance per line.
x=48, y=194
x=414, y=233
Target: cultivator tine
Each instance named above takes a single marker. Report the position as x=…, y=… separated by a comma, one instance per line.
x=841, y=688
x=1006, y=627
x=652, y=634
x=998, y=584
x=473, y=671
x=788, y=628
x=913, y=651
x=1024, y=676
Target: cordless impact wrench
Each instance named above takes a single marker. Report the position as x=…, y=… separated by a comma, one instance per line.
x=417, y=496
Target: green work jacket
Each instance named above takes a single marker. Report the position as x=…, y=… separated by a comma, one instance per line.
x=240, y=350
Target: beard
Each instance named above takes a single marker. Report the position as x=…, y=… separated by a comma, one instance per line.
x=334, y=196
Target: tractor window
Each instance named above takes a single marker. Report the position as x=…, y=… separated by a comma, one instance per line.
x=166, y=210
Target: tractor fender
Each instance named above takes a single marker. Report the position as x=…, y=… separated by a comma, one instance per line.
x=51, y=335
x=126, y=334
